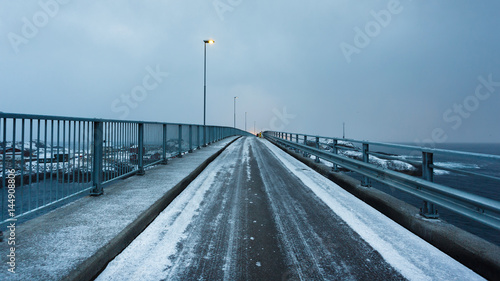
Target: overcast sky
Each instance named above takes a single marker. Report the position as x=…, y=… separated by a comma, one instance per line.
x=400, y=71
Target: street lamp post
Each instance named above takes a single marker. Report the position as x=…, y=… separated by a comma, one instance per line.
x=235, y=112
x=210, y=41
x=245, y=121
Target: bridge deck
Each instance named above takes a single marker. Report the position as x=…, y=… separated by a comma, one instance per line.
x=257, y=214
x=61, y=243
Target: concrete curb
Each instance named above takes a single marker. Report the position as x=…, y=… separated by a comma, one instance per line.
x=476, y=253
x=93, y=266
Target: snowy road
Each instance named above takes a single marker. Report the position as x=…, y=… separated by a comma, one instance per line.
x=255, y=213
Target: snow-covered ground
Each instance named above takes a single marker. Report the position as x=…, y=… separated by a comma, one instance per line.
x=208, y=227
x=413, y=257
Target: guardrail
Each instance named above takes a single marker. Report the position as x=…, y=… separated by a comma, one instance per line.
x=343, y=153
x=47, y=159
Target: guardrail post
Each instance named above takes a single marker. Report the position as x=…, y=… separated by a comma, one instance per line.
x=305, y=143
x=204, y=136
x=366, y=159
x=198, y=136
x=190, y=139
x=428, y=210
x=335, y=167
x=97, y=159
x=317, y=146
x=165, y=161
x=140, y=151
x=296, y=141
x=180, y=141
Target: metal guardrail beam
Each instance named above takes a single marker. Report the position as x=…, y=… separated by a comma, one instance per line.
x=478, y=208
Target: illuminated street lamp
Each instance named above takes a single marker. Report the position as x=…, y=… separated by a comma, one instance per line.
x=210, y=41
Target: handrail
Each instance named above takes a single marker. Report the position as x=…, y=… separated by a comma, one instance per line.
x=55, y=158
x=478, y=208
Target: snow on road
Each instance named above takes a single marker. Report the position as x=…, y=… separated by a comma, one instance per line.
x=413, y=257
x=255, y=213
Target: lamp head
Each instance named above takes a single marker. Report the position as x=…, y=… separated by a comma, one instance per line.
x=210, y=41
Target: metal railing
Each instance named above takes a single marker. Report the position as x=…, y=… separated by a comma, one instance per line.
x=417, y=180
x=45, y=160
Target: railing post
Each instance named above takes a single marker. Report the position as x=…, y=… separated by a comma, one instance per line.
x=165, y=161
x=366, y=159
x=335, y=167
x=428, y=210
x=204, y=136
x=317, y=147
x=190, y=138
x=198, y=137
x=97, y=159
x=140, y=150
x=180, y=141
x=305, y=143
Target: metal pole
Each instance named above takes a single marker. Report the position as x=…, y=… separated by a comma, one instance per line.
x=245, y=120
x=429, y=210
x=205, y=97
x=140, y=150
x=97, y=159
x=366, y=159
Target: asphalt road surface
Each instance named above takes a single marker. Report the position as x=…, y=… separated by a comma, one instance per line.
x=253, y=216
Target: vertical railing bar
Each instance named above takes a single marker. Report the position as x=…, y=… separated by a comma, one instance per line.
x=180, y=140
x=97, y=162
x=52, y=159
x=119, y=151
x=428, y=210
x=198, y=137
x=105, y=143
x=123, y=151
x=114, y=151
x=190, y=138
x=23, y=122
x=31, y=164
x=4, y=166
x=71, y=156
x=14, y=143
x=79, y=170
x=85, y=156
x=88, y=155
x=140, y=156
x=59, y=153
x=38, y=142
x=164, y=144
x=66, y=159
x=73, y=184
x=109, y=154
x=366, y=159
